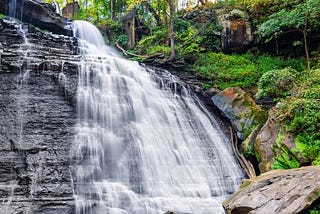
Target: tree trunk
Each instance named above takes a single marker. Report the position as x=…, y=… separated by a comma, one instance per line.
x=171, y=30
x=112, y=9
x=133, y=31
x=306, y=48
x=305, y=39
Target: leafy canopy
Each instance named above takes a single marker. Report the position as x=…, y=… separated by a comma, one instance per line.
x=297, y=17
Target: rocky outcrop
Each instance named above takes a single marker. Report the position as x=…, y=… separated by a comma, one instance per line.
x=272, y=145
x=278, y=191
x=37, y=13
x=37, y=116
x=237, y=33
x=240, y=109
x=264, y=142
x=231, y=26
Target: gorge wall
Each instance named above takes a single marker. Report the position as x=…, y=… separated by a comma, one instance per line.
x=37, y=117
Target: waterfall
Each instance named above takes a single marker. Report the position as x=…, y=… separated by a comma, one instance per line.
x=144, y=144
x=15, y=8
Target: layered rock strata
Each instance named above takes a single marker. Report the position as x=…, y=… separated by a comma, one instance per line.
x=38, y=77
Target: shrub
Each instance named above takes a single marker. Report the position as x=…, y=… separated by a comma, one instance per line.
x=300, y=115
x=276, y=83
x=244, y=70
x=122, y=40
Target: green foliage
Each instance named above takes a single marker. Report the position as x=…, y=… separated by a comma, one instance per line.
x=238, y=70
x=210, y=34
x=300, y=115
x=249, y=152
x=226, y=70
x=276, y=83
x=284, y=159
x=303, y=14
x=2, y=16
x=151, y=44
x=314, y=211
x=304, y=17
x=122, y=40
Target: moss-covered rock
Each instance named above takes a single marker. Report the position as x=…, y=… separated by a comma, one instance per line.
x=266, y=139
x=240, y=109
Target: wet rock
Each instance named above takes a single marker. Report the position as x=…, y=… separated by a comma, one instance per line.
x=37, y=116
x=277, y=191
x=240, y=109
x=37, y=13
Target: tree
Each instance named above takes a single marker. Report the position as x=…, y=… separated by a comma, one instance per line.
x=171, y=30
x=303, y=17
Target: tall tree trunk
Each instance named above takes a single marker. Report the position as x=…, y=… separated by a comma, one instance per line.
x=171, y=30
x=306, y=49
x=305, y=39
x=112, y=9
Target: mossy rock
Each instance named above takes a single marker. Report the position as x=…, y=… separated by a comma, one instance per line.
x=242, y=111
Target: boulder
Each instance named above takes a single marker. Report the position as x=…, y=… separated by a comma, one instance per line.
x=277, y=191
x=37, y=13
x=236, y=34
x=265, y=141
x=274, y=141
x=233, y=27
x=243, y=113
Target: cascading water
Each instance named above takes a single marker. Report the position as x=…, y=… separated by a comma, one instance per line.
x=15, y=8
x=139, y=147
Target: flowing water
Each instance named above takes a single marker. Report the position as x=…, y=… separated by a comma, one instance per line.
x=143, y=143
x=15, y=8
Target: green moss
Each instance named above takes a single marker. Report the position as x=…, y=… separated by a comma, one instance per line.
x=257, y=155
x=249, y=152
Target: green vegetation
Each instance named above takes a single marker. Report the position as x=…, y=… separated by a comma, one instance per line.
x=244, y=70
x=2, y=16
x=303, y=18
x=300, y=115
x=277, y=83
x=285, y=159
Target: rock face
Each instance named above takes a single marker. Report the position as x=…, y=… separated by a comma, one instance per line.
x=37, y=117
x=240, y=109
x=235, y=30
x=37, y=13
x=264, y=142
x=278, y=191
x=236, y=34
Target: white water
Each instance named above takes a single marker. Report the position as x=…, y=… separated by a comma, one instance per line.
x=142, y=148
x=16, y=8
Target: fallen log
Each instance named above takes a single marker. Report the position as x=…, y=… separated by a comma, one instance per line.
x=125, y=52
